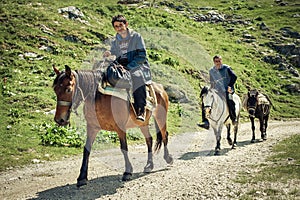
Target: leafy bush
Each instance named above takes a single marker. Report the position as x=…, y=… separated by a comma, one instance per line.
x=61, y=137
x=107, y=137
x=171, y=61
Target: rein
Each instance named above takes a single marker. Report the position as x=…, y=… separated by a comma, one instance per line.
x=211, y=107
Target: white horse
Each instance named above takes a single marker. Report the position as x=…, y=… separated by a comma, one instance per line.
x=217, y=112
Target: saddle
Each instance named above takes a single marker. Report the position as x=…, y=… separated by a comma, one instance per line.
x=107, y=89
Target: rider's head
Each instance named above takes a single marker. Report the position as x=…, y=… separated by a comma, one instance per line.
x=118, y=18
x=217, y=61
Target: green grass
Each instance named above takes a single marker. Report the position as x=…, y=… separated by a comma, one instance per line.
x=283, y=166
x=179, y=48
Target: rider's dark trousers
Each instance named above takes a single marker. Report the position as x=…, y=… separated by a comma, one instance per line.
x=231, y=106
x=139, y=94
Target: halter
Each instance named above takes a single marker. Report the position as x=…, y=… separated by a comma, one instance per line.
x=74, y=105
x=252, y=108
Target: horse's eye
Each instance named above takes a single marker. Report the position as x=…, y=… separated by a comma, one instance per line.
x=68, y=90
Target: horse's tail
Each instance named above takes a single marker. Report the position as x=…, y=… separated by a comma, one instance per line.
x=159, y=137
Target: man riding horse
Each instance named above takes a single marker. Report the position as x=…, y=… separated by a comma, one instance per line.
x=130, y=51
x=222, y=78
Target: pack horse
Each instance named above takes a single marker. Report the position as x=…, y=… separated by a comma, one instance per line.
x=258, y=106
x=108, y=112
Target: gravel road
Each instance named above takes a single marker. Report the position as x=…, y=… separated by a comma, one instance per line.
x=195, y=174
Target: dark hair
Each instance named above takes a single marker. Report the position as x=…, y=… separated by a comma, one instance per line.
x=217, y=56
x=118, y=18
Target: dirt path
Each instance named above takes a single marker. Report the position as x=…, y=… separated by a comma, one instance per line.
x=195, y=174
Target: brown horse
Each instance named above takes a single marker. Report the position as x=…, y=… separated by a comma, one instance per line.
x=108, y=112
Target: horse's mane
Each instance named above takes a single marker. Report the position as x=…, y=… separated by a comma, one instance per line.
x=88, y=80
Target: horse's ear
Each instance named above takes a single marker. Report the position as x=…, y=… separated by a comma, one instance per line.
x=204, y=91
x=56, y=70
x=68, y=70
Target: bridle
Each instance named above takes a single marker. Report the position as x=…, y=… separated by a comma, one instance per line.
x=210, y=107
x=73, y=105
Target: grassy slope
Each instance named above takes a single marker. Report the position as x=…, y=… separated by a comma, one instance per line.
x=26, y=92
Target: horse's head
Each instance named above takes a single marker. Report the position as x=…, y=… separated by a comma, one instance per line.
x=252, y=102
x=64, y=87
x=208, y=100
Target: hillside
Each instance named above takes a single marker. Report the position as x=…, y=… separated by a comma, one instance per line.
x=259, y=39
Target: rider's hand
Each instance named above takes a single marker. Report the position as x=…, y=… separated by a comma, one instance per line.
x=106, y=54
x=229, y=90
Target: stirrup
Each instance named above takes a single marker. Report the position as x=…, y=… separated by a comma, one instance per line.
x=140, y=117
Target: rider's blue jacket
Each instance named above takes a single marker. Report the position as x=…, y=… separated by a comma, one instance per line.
x=221, y=78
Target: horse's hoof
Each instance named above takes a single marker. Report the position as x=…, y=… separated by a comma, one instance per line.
x=126, y=176
x=217, y=152
x=81, y=182
x=148, y=168
x=264, y=137
x=252, y=141
x=169, y=159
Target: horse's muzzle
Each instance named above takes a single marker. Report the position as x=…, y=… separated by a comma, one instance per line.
x=207, y=110
x=61, y=121
x=251, y=112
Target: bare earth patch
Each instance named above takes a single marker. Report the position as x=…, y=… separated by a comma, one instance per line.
x=195, y=174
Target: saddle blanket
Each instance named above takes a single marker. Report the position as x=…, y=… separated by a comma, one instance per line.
x=151, y=101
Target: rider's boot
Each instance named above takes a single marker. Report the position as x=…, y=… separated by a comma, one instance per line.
x=205, y=122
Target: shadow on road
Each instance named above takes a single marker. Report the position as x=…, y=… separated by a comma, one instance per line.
x=224, y=151
x=96, y=188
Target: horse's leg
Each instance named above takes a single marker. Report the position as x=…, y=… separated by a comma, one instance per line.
x=218, y=131
x=167, y=156
x=262, y=125
x=235, y=130
x=124, y=148
x=266, y=118
x=149, y=141
x=229, y=140
x=253, y=129
x=160, y=119
x=91, y=135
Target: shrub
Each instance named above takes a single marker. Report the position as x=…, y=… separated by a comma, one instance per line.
x=61, y=137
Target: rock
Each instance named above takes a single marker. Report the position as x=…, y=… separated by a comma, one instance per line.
x=71, y=11
x=263, y=26
x=176, y=95
x=293, y=88
x=295, y=60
